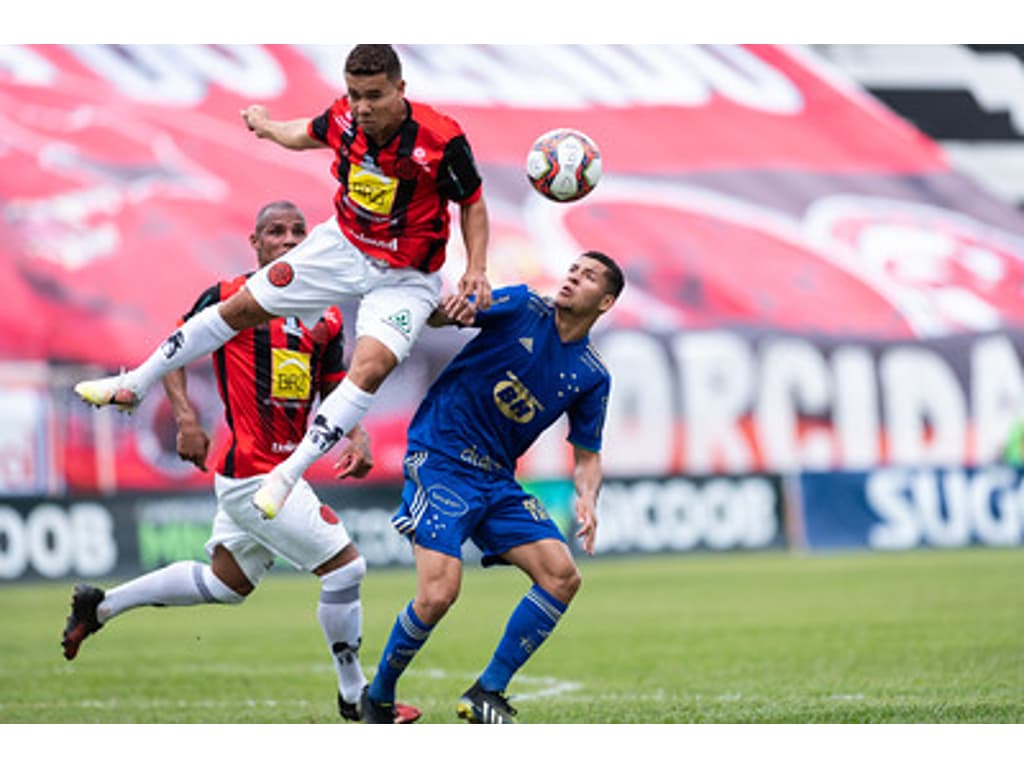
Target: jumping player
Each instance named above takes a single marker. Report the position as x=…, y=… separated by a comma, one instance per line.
x=268, y=378
x=399, y=164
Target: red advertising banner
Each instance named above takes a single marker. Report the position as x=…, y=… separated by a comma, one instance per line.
x=746, y=189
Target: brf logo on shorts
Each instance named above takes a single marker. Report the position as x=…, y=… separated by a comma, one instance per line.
x=280, y=274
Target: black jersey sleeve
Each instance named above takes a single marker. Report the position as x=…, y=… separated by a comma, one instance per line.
x=458, y=178
x=207, y=298
x=318, y=125
x=333, y=363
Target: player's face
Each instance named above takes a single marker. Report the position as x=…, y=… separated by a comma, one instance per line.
x=585, y=289
x=280, y=232
x=377, y=104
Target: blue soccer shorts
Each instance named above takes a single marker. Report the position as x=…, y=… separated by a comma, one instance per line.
x=445, y=502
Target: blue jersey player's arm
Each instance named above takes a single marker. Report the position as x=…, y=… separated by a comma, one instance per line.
x=586, y=477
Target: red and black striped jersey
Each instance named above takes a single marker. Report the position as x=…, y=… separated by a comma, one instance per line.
x=268, y=377
x=392, y=201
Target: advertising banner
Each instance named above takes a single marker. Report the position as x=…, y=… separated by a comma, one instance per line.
x=783, y=234
x=895, y=508
x=122, y=536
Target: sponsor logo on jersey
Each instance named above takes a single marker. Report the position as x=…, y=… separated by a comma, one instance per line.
x=371, y=191
x=280, y=274
x=514, y=400
x=479, y=460
x=291, y=375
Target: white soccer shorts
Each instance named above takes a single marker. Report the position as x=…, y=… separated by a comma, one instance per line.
x=325, y=269
x=305, y=532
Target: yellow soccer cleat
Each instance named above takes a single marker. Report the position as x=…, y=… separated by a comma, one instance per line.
x=272, y=493
x=108, y=391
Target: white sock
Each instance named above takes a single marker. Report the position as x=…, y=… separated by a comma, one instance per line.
x=340, y=612
x=200, y=335
x=181, y=583
x=342, y=410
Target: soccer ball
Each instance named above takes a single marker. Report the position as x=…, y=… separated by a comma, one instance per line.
x=564, y=165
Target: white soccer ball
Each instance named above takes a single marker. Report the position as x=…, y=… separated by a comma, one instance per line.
x=564, y=165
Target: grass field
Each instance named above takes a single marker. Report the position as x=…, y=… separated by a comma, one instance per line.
x=923, y=637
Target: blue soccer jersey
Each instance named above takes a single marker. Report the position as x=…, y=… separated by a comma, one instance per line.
x=509, y=383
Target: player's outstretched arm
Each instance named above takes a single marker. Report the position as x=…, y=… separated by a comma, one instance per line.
x=475, y=233
x=193, y=443
x=291, y=134
x=586, y=477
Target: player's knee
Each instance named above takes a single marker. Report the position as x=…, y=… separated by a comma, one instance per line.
x=221, y=592
x=242, y=311
x=564, y=582
x=432, y=602
x=348, y=576
x=372, y=365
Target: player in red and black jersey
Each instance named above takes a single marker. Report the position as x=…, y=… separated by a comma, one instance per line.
x=399, y=165
x=268, y=378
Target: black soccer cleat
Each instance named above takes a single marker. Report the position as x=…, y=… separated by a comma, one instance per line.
x=83, y=621
x=377, y=712
x=349, y=710
x=488, y=707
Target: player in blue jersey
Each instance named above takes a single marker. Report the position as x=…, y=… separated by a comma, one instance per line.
x=531, y=362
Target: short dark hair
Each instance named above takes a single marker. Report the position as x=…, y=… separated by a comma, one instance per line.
x=373, y=60
x=613, y=272
x=277, y=205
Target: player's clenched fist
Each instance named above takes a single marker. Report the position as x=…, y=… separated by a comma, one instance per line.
x=255, y=117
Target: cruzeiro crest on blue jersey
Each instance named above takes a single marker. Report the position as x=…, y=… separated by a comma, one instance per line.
x=509, y=383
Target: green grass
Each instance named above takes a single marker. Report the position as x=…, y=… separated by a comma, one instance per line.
x=923, y=637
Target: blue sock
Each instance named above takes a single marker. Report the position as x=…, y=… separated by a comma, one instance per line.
x=407, y=637
x=528, y=626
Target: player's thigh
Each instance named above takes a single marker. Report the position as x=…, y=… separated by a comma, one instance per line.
x=321, y=271
x=514, y=518
x=441, y=503
x=395, y=310
x=438, y=580
x=305, y=532
x=248, y=556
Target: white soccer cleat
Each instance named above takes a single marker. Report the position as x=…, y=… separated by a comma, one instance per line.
x=272, y=493
x=108, y=391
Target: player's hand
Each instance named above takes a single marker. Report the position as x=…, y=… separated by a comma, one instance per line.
x=355, y=459
x=474, y=283
x=256, y=118
x=459, y=309
x=193, y=444
x=586, y=518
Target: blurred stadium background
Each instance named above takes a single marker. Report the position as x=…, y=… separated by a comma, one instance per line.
x=819, y=349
